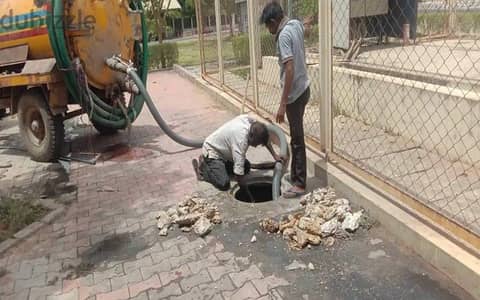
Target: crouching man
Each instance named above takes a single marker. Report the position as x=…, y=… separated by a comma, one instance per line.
x=224, y=151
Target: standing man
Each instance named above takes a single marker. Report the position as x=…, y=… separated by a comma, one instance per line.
x=289, y=35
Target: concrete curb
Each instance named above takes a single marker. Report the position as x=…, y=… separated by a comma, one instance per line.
x=31, y=229
x=459, y=265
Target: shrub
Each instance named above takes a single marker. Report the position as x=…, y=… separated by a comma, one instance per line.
x=241, y=49
x=312, y=36
x=241, y=46
x=163, y=55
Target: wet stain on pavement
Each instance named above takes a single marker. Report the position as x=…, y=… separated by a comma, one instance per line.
x=124, y=153
x=115, y=247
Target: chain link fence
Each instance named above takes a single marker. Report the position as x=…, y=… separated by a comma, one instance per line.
x=405, y=89
x=406, y=103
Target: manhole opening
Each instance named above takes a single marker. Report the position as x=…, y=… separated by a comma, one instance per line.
x=257, y=192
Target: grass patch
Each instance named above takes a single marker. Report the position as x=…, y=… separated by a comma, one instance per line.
x=16, y=214
x=242, y=73
x=189, y=51
x=435, y=22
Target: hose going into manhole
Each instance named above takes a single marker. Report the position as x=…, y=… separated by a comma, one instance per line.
x=117, y=64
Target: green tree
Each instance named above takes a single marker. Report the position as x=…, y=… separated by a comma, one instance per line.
x=157, y=15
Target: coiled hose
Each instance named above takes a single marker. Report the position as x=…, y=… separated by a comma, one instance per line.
x=99, y=111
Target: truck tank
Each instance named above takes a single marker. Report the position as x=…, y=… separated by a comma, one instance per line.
x=94, y=30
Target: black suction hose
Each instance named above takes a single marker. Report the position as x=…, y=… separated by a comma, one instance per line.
x=158, y=118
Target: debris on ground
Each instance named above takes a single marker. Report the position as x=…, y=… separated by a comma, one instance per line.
x=375, y=242
x=296, y=265
x=193, y=213
x=377, y=254
x=311, y=267
x=329, y=241
x=203, y=226
x=254, y=239
x=352, y=221
x=325, y=219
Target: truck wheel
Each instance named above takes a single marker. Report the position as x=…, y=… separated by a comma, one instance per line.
x=42, y=133
x=3, y=112
x=103, y=130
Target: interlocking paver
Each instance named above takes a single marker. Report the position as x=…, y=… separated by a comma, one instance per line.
x=142, y=296
x=173, y=289
x=116, y=271
x=6, y=285
x=121, y=294
x=199, y=265
x=70, y=284
x=68, y=254
x=163, y=266
x=253, y=272
x=217, y=297
x=184, y=259
x=151, y=283
x=218, y=272
x=168, y=254
x=41, y=293
x=194, y=245
x=131, y=266
x=247, y=291
x=224, y=256
x=268, y=283
x=72, y=295
x=195, y=280
x=222, y=285
x=84, y=292
x=23, y=295
x=174, y=241
x=36, y=281
x=272, y=295
x=181, y=272
x=25, y=271
x=119, y=282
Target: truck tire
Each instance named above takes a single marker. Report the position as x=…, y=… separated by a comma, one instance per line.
x=3, y=112
x=42, y=133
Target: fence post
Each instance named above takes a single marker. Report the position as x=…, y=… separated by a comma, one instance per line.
x=325, y=40
x=252, y=32
x=199, y=17
x=451, y=16
x=218, y=25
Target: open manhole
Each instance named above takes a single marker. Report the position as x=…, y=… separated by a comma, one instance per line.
x=255, y=192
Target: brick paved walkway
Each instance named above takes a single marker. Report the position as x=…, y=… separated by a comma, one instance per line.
x=107, y=245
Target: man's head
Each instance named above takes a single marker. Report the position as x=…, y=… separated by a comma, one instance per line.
x=272, y=16
x=258, y=135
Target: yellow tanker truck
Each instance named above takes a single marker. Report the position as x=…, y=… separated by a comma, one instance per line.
x=53, y=53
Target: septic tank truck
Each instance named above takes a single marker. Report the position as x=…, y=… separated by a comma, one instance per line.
x=52, y=66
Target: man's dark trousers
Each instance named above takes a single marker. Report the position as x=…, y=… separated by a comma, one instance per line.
x=218, y=172
x=295, y=113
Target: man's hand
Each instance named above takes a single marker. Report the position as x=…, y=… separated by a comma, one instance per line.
x=281, y=113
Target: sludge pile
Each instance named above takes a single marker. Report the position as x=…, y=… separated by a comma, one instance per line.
x=192, y=213
x=325, y=218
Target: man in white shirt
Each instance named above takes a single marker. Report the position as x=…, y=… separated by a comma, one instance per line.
x=224, y=151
